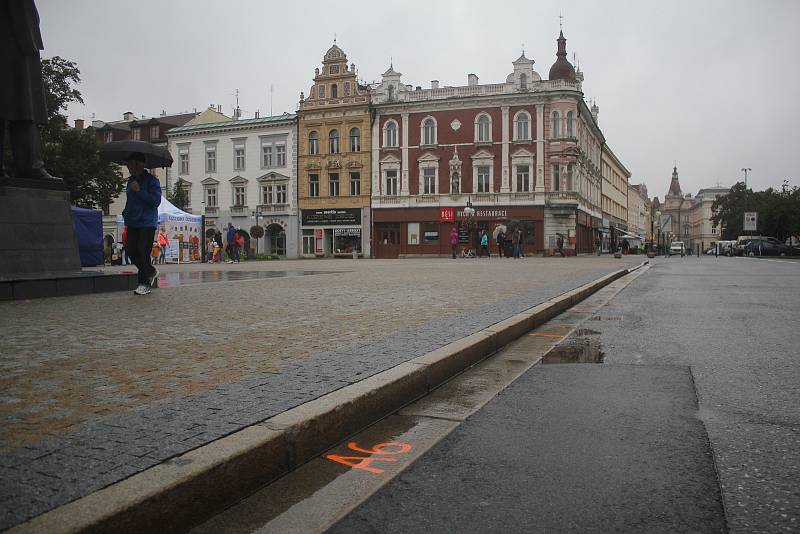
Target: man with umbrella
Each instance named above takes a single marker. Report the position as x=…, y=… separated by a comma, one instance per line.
x=143, y=196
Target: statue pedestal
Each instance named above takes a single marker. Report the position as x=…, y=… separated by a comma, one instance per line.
x=38, y=250
x=36, y=230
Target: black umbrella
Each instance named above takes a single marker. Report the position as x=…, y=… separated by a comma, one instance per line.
x=120, y=152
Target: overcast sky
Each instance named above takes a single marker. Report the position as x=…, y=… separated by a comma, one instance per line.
x=712, y=85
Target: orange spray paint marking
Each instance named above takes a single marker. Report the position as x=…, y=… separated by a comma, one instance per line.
x=363, y=463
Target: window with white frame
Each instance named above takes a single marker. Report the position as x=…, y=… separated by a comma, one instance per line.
x=523, y=81
x=211, y=158
x=429, y=180
x=239, y=195
x=266, y=156
x=238, y=155
x=334, y=141
x=570, y=124
x=313, y=143
x=313, y=185
x=390, y=134
x=183, y=159
x=355, y=140
x=266, y=194
x=483, y=179
x=429, y=131
x=280, y=155
x=556, y=177
x=333, y=184
x=355, y=184
x=483, y=128
x=523, y=181
x=211, y=196
x=280, y=194
x=568, y=173
x=522, y=131
x=136, y=133
x=555, y=128
x=391, y=183
x=109, y=137
x=153, y=132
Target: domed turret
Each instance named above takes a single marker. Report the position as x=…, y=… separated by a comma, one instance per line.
x=562, y=69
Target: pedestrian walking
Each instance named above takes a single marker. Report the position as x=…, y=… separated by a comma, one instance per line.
x=453, y=241
x=560, y=246
x=485, y=243
x=142, y=198
x=515, y=239
x=163, y=242
x=154, y=253
x=501, y=238
x=238, y=245
x=598, y=246
x=231, y=242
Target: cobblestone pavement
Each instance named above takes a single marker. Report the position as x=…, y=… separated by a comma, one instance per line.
x=96, y=388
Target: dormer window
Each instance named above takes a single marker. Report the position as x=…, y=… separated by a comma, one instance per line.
x=523, y=81
x=334, y=69
x=322, y=91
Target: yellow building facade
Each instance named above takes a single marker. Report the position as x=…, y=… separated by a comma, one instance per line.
x=614, y=198
x=334, y=161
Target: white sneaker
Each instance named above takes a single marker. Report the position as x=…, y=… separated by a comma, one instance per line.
x=142, y=290
x=154, y=278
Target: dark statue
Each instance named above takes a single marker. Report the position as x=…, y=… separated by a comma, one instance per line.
x=22, y=95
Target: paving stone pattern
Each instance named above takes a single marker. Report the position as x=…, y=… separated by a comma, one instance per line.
x=119, y=418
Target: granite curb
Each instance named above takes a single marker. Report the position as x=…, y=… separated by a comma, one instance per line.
x=167, y=497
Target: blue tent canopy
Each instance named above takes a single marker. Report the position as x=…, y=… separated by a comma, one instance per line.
x=89, y=234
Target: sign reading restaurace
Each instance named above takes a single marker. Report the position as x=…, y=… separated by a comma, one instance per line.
x=333, y=216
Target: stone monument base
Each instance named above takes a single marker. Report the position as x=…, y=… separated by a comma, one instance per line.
x=38, y=249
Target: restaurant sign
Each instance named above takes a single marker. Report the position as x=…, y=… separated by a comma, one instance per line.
x=332, y=217
x=485, y=213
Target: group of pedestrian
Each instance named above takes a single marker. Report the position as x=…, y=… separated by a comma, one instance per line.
x=233, y=247
x=483, y=239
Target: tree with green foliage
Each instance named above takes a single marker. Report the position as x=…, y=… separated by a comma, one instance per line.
x=179, y=196
x=74, y=154
x=778, y=211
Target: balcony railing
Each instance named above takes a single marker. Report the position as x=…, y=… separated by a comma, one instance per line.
x=239, y=211
x=271, y=208
x=211, y=211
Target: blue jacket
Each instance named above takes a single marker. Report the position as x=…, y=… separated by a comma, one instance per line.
x=141, y=209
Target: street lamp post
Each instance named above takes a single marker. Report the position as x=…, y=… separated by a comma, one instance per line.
x=745, y=170
x=257, y=215
x=658, y=238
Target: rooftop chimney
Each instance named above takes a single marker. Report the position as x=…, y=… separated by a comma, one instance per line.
x=128, y=116
x=434, y=84
x=472, y=79
x=79, y=124
x=256, y=113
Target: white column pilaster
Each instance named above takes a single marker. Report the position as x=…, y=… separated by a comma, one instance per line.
x=404, y=157
x=540, y=140
x=504, y=183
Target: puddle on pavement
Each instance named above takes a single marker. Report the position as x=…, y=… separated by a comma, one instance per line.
x=581, y=347
x=206, y=277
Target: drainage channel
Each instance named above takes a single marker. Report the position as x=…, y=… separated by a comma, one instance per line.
x=318, y=494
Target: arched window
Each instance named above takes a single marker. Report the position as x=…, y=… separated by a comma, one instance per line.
x=355, y=140
x=483, y=128
x=390, y=134
x=334, y=91
x=313, y=143
x=334, y=141
x=522, y=131
x=523, y=81
x=555, y=132
x=570, y=124
x=429, y=132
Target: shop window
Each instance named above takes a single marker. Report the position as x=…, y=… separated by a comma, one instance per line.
x=413, y=234
x=430, y=232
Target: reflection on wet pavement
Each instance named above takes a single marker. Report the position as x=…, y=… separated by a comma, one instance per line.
x=206, y=277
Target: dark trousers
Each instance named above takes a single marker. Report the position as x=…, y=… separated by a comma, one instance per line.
x=139, y=245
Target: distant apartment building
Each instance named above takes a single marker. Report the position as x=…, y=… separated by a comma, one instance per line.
x=615, y=199
x=243, y=172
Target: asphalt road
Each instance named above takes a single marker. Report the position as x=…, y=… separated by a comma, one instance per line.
x=691, y=425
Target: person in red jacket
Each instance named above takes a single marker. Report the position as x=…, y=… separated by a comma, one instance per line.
x=163, y=242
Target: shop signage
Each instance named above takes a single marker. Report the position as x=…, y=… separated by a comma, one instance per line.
x=333, y=216
x=482, y=213
x=463, y=233
x=347, y=232
x=750, y=221
x=447, y=214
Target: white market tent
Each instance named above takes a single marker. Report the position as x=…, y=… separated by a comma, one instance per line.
x=183, y=230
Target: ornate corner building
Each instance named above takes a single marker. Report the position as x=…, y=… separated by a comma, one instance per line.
x=525, y=152
x=334, y=161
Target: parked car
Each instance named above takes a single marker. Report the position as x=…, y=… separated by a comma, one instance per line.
x=677, y=247
x=766, y=247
